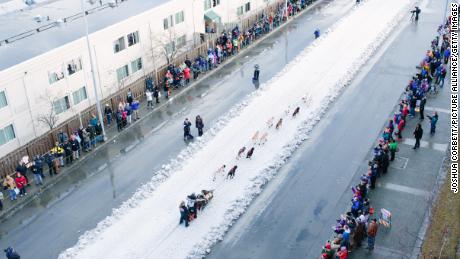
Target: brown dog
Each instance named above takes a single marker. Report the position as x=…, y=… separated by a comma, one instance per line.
x=279, y=124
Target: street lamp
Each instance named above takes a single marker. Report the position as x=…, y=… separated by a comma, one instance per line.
x=93, y=76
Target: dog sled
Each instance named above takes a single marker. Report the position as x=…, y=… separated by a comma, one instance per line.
x=198, y=202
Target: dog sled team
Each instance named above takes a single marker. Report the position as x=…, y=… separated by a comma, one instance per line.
x=195, y=203
x=189, y=210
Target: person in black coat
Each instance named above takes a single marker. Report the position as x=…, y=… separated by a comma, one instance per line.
x=119, y=119
x=187, y=125
x=416, y=12
x=75, y=148
x=373, y=167
x=68, y=152
x=38, y=161
x=22, y=168
x=199, y=125
x=418, y=133
x=183, y=214
x=80, y=135
x=422, y=108
x=256, y=73
x=385, y=161
x=156, y=94
x=49, y=161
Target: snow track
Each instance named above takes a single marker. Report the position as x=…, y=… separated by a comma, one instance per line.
x=146, y=226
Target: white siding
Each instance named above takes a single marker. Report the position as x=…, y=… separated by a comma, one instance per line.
x=27, y=84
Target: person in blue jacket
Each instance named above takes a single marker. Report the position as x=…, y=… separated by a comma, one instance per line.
x=183, y=214
x=317, y=33
x=11, y=254
x=433, y=121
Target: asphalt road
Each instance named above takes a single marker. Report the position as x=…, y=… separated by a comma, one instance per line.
x=82, y=198
x=292, y=218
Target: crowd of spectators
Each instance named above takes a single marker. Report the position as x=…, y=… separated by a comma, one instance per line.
x=360, y=221
x=227, y=44
x=65, y=151
x=69, y=147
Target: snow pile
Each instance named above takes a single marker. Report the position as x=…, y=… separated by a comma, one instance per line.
x=146, y=226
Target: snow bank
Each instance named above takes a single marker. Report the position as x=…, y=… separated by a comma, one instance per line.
x=146, y=226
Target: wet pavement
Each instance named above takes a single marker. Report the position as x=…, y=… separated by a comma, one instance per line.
x=293, y=217
x=88, y=193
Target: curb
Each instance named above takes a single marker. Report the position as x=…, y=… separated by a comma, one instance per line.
x=19, y=204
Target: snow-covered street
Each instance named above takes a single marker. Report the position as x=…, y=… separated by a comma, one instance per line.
x=146, y=226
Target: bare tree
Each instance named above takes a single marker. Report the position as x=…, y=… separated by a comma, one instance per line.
x=165, y=45
x=50, y=118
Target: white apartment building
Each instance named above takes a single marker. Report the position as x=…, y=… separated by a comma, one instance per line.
x=47, y=67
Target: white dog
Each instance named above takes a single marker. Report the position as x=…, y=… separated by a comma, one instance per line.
x=270, y=122
x=255, y=137
x=263, y=139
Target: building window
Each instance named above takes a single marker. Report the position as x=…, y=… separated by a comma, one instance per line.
x=119, y=45
x=79, y=95
x=55, y=75
x=215, y=3
x=168, y=22
x=7, y=134
x=247, y=7
x=74, y=66
x=3, y=101
x=133, y=38
x=61, y=105
x=179, y=17
x=207, y=4
x=136, y=65
x=122, y=73
x=181, y=41
x=239, y=10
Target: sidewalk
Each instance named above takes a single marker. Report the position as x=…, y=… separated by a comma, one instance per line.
x=409, y=188
x=11, y=207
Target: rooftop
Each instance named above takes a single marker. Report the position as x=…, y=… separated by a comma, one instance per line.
x=19, y=27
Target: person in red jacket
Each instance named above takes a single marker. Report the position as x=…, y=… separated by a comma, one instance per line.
x=343, y=253
x=187, y=75
x=21, y=183
x=405, y=111
x=401, y=125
